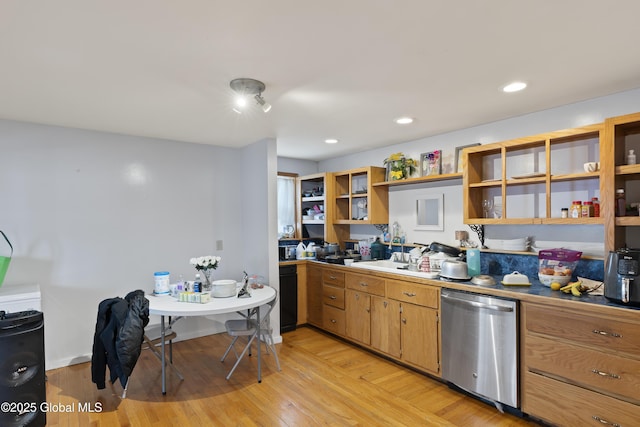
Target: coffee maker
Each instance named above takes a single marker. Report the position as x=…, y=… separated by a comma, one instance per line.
x=622, y=277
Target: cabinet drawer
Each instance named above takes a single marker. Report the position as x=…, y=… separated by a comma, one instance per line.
x=333, y=296
x=416, y=294
x=605, y=333
x=604, y=372
x=567, y=405
x=333, y=277
x=334, y=320
x=369, y=284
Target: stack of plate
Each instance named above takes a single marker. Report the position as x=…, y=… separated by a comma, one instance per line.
x=520, y=245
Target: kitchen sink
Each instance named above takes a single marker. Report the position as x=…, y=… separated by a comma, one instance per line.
x=390, y=266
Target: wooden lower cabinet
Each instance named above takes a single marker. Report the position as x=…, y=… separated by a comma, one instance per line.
x=334, y=320
x=314, y=296
x=419, y=337
x=358, y=314
x=394, y=317
x=580, y=368
x=385, y=326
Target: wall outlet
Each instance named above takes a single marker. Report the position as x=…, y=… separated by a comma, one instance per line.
x=218, y=245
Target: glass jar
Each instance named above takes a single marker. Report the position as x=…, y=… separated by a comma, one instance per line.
x=576, y=209
x=564, y=213
x=587, y=209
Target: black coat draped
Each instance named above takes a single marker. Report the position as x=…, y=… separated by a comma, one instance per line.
x=117, y=341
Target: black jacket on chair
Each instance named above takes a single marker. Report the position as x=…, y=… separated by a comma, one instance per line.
x=118, y=338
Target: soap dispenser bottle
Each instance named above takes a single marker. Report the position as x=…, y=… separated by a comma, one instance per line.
x=631, y=158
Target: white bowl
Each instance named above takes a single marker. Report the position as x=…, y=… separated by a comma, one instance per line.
x=547, y=279
x=223, y=288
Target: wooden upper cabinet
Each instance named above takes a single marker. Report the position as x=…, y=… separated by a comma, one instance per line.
x=621, y=134
x=529, y=180
x=356, y=200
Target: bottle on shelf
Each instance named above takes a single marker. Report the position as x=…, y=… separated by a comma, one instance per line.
x=596, y=206
x=576, y=209
x=631, y=158
x=621, y=203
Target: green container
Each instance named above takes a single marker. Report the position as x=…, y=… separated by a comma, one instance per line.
x=4, y=260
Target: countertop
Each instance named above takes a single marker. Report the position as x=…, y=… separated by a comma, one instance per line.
x=536, y=292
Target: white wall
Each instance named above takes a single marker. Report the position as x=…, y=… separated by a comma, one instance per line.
x=260, y=217
x=401, y=198
x=299, y=166
x=92, y=215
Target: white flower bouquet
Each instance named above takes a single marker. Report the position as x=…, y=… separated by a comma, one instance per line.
x=206, y=264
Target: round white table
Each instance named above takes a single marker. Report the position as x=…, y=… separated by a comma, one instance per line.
x=169, y=306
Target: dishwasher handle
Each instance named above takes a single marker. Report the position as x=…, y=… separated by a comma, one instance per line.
x=477, y=304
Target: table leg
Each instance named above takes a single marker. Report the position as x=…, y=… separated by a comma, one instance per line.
x=259, y=346
x=162, y=344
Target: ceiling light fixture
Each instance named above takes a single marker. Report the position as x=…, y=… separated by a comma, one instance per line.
x=331, y=141
x=245, y=88
x=514, y=87
x=404, y=120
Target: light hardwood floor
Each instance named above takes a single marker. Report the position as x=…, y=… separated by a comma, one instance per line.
x=324, y=381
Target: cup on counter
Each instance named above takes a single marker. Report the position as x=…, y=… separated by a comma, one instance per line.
x=591, y=166
x=348, y=261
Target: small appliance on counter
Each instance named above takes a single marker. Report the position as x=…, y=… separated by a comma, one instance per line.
x=622, y=277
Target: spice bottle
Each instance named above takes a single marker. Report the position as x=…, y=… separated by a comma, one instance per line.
x=596, y=206
x=587, y=209
x=576, y=209
x=621, y=203
x=564, y=212
x=631, y=158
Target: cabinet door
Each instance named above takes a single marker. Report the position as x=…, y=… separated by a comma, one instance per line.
x=358, y=313
x=385, y=325
x=419, y=337
x=314, y=296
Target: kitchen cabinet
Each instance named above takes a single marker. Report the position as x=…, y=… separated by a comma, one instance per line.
x=394, y=317
x=580, y=367
x=529, y=180
x=333, y=303
x=314, y=295
x=621, y=134
x=357, y=200
x=419, y=326
x=385, y=326
x=358, y=314
x=360, y=287
x=313, y=191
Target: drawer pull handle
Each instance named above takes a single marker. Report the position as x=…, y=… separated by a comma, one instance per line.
x=605, y=374
x=409, y=294
x=332, y=297
x=332, y=277
x=333, y=320
x=608, y=334
x=364, y=284
x=602, y=421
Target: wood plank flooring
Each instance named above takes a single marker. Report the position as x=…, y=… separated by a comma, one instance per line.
x=324, y=382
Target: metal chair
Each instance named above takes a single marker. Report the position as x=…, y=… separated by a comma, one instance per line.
x=252, y=328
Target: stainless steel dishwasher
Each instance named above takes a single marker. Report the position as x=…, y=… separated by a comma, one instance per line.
x=480, y=345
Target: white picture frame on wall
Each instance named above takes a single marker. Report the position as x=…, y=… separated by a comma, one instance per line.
x=429, y=212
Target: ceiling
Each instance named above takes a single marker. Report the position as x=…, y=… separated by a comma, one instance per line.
x=332, y=69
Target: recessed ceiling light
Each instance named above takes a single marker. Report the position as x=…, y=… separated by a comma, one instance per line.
x=331, y=141
x=514, y=87
x=404, y=120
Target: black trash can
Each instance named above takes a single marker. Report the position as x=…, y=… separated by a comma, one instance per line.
x=22, y=374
